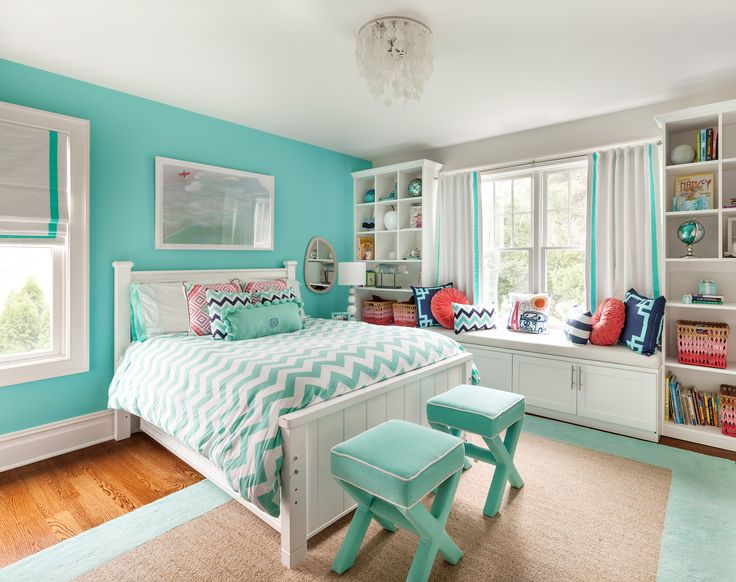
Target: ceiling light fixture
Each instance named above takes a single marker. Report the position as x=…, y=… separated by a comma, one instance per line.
x=395, y=54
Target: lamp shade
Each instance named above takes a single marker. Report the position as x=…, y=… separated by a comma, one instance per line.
x=351, y=273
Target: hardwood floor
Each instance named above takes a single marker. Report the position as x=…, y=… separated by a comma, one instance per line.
x=698, y=448
x=49, y=501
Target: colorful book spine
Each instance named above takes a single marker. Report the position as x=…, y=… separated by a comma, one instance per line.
x=709, y=143
x=715, y=143
x=697, y=149
x=703, y=146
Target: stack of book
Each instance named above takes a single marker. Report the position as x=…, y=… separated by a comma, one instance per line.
x=707, y=299
x=690, y=406
x=707, y=144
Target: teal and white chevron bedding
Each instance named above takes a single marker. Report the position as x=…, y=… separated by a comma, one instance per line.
x=224, y=399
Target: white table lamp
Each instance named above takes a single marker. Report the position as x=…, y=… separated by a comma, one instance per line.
x=351, y=274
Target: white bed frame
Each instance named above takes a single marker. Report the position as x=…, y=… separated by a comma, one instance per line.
x=311, y=500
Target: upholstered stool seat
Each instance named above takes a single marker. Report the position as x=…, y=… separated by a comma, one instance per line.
x=485, y=412
x=388, y=470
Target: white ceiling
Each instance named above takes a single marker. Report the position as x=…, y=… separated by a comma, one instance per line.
x=288, y=66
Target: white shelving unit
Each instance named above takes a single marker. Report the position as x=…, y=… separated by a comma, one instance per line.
x=392, y=246
x=683, y=274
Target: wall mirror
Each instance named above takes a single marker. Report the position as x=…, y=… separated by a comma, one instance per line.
x=320, y=266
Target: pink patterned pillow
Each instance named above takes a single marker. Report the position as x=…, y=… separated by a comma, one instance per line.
x=268, y=285
x=199, y=317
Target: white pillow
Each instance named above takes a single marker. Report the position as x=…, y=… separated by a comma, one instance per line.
x=158, y=308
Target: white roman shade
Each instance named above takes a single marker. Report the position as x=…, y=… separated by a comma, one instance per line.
x=34, y=184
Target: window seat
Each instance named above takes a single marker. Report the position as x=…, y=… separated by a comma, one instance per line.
x=553, y=343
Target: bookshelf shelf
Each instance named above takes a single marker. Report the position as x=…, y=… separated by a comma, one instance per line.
x=704, y=435
x=681, y=275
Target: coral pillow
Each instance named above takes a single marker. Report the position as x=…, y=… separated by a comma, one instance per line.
x=608, y=321
x=442, y=306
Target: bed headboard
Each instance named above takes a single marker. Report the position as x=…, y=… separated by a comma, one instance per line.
x=125, y=275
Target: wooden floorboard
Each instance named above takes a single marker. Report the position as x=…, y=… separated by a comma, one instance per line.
x=52, y=500
x=698, y=448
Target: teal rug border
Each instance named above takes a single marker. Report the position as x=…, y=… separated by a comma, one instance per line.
x=697, y=542
x=92, y=548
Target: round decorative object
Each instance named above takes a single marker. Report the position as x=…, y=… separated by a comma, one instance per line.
x=392, y=256
x=682, y=154
x=370, y=195
x=415, y=187
x=441, y=305
x=390, y=220
x=690, y=232
x=608, y=321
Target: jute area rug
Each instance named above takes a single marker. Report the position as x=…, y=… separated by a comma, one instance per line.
x=582, y=515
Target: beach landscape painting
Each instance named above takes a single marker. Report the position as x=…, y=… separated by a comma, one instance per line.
x=212, y=208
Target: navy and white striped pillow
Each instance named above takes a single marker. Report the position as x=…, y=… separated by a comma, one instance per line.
x=578, y=326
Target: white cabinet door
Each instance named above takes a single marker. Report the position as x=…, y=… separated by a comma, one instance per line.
x=494, y=367
x=619, y=396
x=546, y=383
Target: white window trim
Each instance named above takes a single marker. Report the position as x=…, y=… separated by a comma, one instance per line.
x=537, y=251
x=72, y=323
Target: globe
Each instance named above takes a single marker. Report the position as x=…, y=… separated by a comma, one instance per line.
x=690, y=233
x=415, y=187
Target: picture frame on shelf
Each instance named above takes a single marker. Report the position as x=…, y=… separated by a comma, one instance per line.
x=366, y=248
x=202, y=207
x=370, y=278
x=694, y=192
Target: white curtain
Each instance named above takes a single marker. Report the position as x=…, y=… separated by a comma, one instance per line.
x=457, y=232
x=623, y=238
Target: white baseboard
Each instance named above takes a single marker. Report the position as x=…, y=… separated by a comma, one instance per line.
x=49, y=440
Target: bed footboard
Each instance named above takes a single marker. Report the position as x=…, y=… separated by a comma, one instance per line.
x=311, y=500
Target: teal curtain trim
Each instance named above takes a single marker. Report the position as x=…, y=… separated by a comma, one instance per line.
x=653, y=218
x=53, y=183
x=476, y=259
x=29, y=235
x=593, y=242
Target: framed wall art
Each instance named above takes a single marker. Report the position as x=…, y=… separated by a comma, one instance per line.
x=212, y=208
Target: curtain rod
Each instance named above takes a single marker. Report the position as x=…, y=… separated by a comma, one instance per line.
x=552, y=159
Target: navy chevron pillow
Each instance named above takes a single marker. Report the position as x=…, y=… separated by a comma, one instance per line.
x=219, y=303
x=473, y=317
x=578, y=326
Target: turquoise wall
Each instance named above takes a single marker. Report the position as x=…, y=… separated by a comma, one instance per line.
x=313, y=197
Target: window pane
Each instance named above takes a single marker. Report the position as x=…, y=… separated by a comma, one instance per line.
x=577, y=228
x=503, y=231
x=557, y=191
x=523, y=230
x=503, y=197
x=523, y=195
x=579, y=188
x=557, y=228
x=565, y=281
x=504, y=272
x=25, y=299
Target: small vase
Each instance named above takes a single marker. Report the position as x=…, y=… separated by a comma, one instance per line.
x=390, y=220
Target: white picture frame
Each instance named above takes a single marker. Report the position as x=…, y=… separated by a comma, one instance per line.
x=203, y=207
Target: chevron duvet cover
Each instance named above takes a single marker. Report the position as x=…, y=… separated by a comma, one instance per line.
x=224, y=399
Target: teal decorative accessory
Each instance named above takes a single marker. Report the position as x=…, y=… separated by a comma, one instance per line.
x=262, y=320
x=485, y=412
x=415, y=187
x=690, y=233
x=707, y=287
x=370, y=196
x=388, y=470
x=682, y=154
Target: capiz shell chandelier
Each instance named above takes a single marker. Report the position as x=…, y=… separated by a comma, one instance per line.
x=395, y=55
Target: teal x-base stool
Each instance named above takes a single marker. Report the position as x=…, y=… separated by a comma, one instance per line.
x=485, y=412
x=388, y=470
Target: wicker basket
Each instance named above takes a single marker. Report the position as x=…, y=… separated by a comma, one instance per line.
x=405, y=314
x=702, y=343
x=378, y=311
x=727, y=396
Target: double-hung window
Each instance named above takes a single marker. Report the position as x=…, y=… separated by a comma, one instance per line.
x=44, y=176
x=533, y=224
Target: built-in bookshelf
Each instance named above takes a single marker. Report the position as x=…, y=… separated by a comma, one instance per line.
x=712, y=259
x=398, y=245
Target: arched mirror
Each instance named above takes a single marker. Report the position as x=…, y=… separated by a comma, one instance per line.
x=320, y=266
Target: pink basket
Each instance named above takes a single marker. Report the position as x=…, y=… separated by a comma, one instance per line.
x=405, y=314
x=378, y=312
x=727, y=396
x=702, y=343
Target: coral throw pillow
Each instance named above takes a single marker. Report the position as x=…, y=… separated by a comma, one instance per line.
x=608, y=321
x=442, y=306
